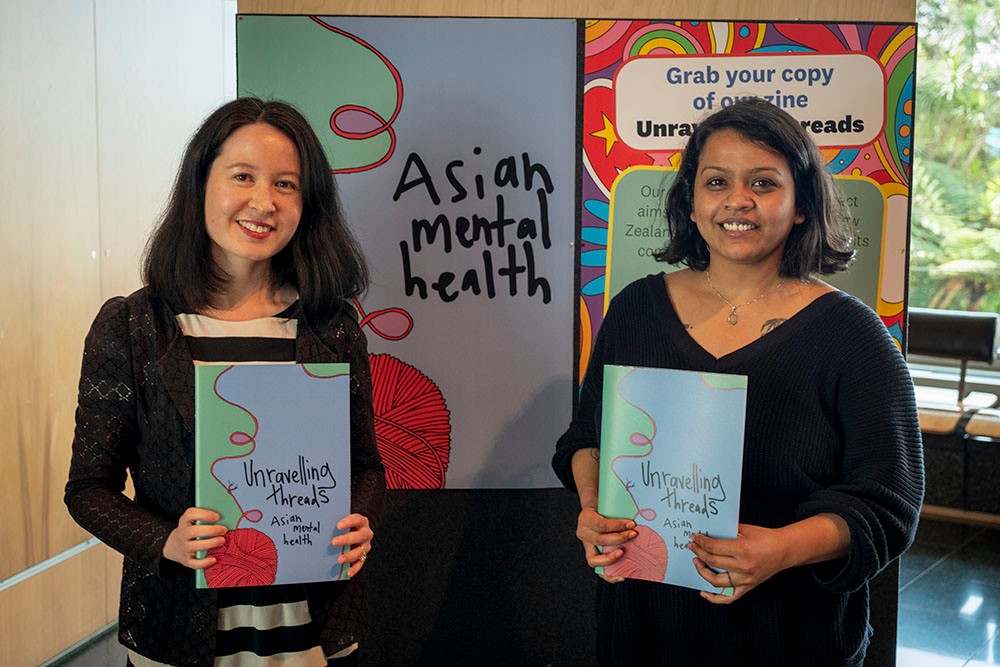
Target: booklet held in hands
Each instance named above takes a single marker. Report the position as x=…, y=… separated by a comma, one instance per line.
x=671, y=460
x=272, y=457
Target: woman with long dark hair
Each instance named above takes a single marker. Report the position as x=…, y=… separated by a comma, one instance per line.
x=252, y=261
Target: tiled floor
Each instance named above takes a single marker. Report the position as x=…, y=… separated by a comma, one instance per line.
x=949, y=597
x=102, y=652
x=949, y=602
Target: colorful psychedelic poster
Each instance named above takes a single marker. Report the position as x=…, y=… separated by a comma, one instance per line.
x=671, y=460
x=454, y=144
x=647, y=84
x=272, y=457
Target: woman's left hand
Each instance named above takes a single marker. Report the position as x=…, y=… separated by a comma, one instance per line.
x=358, y=539
x=757, y=553
x=755, y=556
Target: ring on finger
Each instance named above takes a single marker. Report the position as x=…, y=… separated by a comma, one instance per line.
x=730, y=575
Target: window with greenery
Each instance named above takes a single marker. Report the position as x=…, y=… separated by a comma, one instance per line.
x=955, y=246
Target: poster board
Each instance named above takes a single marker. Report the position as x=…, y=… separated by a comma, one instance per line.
x=647, y=83
x=454, y=143
x=492, y=167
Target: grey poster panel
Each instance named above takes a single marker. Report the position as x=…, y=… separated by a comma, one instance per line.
x=455, y=143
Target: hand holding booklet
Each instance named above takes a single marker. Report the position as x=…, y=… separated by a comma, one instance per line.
x=671, y=460
x=272, y=457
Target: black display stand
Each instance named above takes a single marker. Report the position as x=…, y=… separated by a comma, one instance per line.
x=497, y=577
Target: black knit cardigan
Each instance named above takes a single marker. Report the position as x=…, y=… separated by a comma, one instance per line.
x=136, y=413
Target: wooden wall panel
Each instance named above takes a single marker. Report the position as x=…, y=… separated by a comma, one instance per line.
x=100, y=100
x=53, y=610
x=785, y=10
x=49, y=272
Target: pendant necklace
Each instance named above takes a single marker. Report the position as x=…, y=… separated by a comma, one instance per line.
x=733, y=319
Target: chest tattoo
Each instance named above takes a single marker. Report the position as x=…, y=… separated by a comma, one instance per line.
x=771, y=325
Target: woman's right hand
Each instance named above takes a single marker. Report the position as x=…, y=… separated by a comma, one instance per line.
x=190, y=537
x=595, y=530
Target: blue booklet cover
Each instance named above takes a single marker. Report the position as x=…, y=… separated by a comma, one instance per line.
x=671, y=460
x=272, y=457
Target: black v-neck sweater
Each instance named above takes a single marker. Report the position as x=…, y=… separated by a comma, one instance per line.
x=831, y=426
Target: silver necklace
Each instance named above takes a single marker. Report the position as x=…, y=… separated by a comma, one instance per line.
x=733, y=319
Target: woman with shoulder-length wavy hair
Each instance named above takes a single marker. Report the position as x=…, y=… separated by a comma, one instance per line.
x=821, y=244
x=832, y=458
x=252, y=261
x=323, y=260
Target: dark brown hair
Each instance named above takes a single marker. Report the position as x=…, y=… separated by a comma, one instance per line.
x=323, y=261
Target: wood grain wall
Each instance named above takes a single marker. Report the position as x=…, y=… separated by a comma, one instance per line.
x=98, y=103
x=101, y=96
x=50, y=281
x=902, y=11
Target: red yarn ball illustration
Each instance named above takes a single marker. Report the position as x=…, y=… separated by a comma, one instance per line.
x=645, y=557
x=248, y=558
x=412, y=425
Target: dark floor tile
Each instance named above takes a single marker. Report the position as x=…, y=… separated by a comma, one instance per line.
x=911, y=657
x=934, y=532
x=920, y=560
x=942, y=633
x=949, y=568
x=989, y=654
x=937, y=540
x=105, y=651
x=955, y=588
x=983, y=550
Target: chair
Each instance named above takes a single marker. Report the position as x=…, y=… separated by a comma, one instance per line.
x=945, y=413
x=953, y=334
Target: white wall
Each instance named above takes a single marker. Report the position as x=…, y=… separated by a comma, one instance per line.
x=161, y=66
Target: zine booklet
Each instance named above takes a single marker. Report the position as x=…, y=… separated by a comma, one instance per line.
x=272, y=457
x=671, y=460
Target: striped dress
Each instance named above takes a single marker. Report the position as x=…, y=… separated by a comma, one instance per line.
x=268, y=625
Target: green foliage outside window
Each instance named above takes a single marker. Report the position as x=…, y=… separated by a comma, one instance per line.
x=955, y=242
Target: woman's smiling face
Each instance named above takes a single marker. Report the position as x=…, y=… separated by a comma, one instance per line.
x=743, y=200
x=253, y=197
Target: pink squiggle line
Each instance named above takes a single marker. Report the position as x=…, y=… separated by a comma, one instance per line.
x=367, y=319
x=632, y=456
x=386, y=125
x=253, y=441
x=321, y=377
